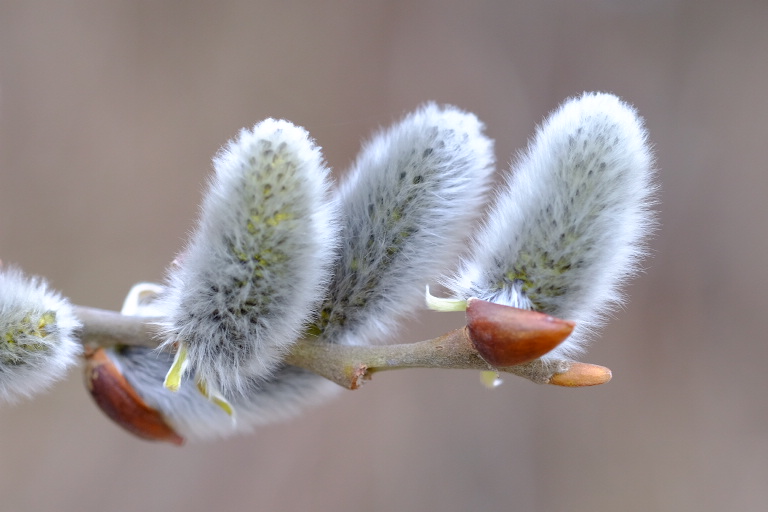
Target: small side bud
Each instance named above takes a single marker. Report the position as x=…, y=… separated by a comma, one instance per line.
x=120, y=402
x=507, y=336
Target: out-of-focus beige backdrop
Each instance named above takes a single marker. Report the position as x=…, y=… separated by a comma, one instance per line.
x=111, y=111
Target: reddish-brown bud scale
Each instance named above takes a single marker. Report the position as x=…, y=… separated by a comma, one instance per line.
x=118, y=400
x=508, y=336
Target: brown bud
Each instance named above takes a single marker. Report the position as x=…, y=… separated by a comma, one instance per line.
x=118, y=400
x=508, y=336
x=582, y=374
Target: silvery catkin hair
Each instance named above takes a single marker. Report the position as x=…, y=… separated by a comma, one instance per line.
x=258, y=261
x=406, y=207
x=37, y=335
x=569, y=226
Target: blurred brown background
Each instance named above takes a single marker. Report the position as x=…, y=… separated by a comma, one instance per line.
x=111, y=111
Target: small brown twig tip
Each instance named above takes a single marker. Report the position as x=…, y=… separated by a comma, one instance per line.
x=581, y=375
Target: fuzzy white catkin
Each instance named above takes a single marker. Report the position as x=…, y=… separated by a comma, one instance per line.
x=407, y=205
x=37, y=335
x=569, y=227
x=258, y=262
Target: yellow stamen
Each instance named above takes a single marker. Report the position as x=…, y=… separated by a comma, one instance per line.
x=173, y=377
x=216, y=398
